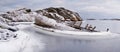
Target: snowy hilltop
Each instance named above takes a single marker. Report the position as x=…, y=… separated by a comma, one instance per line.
x=48, y=18
x=57, y=18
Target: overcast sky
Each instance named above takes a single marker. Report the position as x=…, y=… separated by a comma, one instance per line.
x=86, y=8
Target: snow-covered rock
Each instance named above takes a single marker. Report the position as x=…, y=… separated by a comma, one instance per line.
x=50, y=23
x=21, y=15
x=48, y=17
x=6, y=35
x=60, y=14
x=56, y=17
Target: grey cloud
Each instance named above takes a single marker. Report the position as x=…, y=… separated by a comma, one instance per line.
x=101, y=8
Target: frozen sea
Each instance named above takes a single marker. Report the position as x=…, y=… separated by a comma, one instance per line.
x=62, y=44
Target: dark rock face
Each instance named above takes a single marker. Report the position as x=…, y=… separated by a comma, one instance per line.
x=58, y=13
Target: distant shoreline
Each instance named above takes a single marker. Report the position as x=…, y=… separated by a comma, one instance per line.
x=104, y=19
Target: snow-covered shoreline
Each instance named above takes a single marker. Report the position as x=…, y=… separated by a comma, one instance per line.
x=75, y=34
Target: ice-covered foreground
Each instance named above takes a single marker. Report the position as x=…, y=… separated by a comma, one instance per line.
x=23, y=43
x=26, y=42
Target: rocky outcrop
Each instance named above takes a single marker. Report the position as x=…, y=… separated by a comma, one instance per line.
x=21, y=15
x=60, y=14
x=56, y=16
x=51, y=23
x=48, y=17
